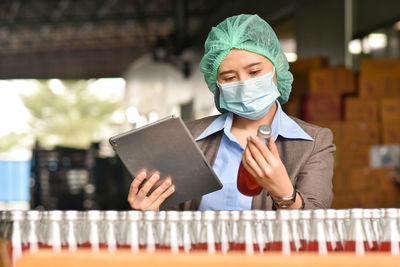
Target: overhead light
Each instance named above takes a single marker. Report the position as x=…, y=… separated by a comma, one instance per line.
x=291, y=56
x=56, y=87
x=132, y=114
x=377, y=40
x=355, y=46
x=153, y=116
x=366, y=48
x=118, y=117
x=396, y=26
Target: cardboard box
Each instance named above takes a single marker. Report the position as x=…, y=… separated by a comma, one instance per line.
x=301, y=83
x=332, y=80
x=379, y=85
x=359, y=132
x=390, y=108
x=364, y=188
x=389, y=67
x=334, y=126
x=391, y=132
x=346, y=199
x=300, y=70
x=351, y=155
x=293, y=107
x=304, y=64
x=322, y=107
x=359, y=109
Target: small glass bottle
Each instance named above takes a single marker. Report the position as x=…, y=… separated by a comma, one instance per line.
x=70, y=237
x=332, y=233
x=318, y=241
x=121, y=227
x=110, y=240
x=132, y=234
x=187, y=238
x=376, y=222
x=305, y=226
x=81, y=228
x=234, y=227
x=296, y=230
x=161, y=218
x=149, y=226
x=259, y=228
x=54, y=234
x=246, y=183
x=207, y=235
x=391, y=236
x=283, y=241
x=196, y=225
x=93, y=231
x=31, y=233
x=17, y=218
x=341, y=226
x=223, y=231
x=369, y=232
x=246, y=238
x=170, y=238
x=356, y=240
x=270, y=226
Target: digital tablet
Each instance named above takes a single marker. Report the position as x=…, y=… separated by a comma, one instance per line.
x=168, y=147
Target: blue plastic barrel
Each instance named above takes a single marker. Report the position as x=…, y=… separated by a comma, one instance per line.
x=14, y=180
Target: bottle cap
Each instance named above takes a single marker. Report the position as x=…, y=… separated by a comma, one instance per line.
x=134, y=215
x=33, y=215
x=247, y=215
x=172, y=216
x=71, y=215
x=264, y=131
x=111, y=215
x=149, y=215
x=187, y=215
x=271, y=215
x=305, y=214
x=318, y=214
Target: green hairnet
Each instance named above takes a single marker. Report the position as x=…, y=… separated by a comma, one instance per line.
x=248, y=32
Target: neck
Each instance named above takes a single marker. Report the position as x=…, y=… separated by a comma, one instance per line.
x=248, y=124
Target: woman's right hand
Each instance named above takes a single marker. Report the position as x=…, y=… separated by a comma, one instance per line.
x=138, y=198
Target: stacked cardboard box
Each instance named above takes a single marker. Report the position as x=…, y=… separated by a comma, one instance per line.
x=360, y=114
x=300, y=88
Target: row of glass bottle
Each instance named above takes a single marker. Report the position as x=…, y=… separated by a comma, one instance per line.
x=253, y=231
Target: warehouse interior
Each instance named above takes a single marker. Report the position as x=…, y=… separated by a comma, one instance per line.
x=344, y=56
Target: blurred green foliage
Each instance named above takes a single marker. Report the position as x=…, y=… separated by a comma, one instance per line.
x=71, y=119
x=9, y=141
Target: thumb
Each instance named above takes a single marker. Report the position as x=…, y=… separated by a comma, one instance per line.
x=272, y=146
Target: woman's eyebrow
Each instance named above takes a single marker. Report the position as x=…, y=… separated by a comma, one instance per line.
x=252, y=64
x=248, y=66
x=226, y=72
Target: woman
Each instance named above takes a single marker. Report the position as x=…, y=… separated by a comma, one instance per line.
x=246, y=70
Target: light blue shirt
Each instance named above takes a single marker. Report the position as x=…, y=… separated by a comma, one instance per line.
x=229, y=156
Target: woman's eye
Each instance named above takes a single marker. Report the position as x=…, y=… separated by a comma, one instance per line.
x=254, y=72
x=229, y=78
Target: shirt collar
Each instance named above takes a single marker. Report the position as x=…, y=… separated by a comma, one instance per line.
x=286, y=127
x=282, y=125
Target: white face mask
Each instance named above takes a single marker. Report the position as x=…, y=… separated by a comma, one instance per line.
x=251, y=98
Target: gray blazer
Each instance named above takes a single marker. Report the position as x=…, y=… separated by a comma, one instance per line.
x=308, y=164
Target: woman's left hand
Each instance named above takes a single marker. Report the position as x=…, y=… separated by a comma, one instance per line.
x=264, y=163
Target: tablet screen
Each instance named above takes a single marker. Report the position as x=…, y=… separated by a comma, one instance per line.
x=168, y=147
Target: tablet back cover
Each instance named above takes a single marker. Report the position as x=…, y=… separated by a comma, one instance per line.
x=167, y=146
